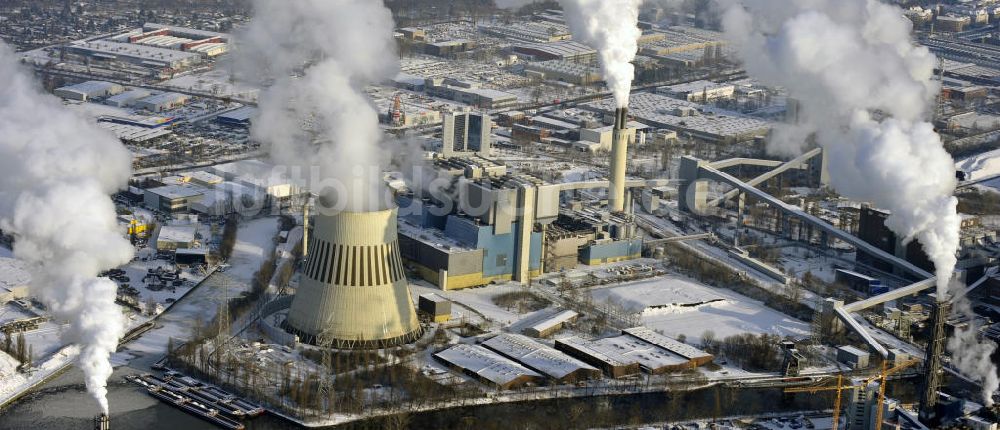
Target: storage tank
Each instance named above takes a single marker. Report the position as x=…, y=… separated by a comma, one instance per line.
x=353, y=292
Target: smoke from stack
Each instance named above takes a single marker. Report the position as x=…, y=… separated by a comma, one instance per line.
x=58, y=170
x=321, y=54
x=610, y=27
x=864, y=90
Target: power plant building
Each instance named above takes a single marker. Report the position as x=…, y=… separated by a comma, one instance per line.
x=466, y=133
x=354, y=292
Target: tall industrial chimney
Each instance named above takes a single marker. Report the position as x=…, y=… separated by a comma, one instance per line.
x=619, y=149
x=354, y=292
x=932, y=364
x=102, y=422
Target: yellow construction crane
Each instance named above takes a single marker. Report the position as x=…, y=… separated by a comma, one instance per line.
x=881, y=387
x=840, y=387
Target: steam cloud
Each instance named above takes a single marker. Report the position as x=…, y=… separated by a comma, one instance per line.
x=321, y=54
x=864, y=90
x=610, y=27
x=58, y=170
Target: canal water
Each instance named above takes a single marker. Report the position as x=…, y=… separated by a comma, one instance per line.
x=64, y=404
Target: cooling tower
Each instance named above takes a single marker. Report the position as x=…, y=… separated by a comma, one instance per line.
x=353, y=292
x=619, y=149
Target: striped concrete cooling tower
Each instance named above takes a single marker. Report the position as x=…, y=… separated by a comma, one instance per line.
x=353, y=292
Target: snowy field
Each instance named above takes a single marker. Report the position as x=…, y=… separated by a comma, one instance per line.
x=982, y=165
x=480, y=299
x=675, y=305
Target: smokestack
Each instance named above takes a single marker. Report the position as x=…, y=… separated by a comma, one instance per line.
x=932, y=365
x=102, y=422
x=305, y=230
x=619, y=149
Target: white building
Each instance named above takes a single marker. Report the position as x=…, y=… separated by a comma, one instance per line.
x=89, y=90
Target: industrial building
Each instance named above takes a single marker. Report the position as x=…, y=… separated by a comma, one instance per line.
x=239, y=117
x=162, y=102
x=354, y=292
x=611, y=362
x=172, y=198
x=434, y=306
x=696, y=356
x=204, y=43
x=88, y=90
x=469, y=93
x=564, y=71
x=466, y=133
x=689, y=118
x=488, y=367
x=853, y=356
x=106, y=51
x=650, y=358
x=566, y=51
x=551, y=324
x=127, y=98
x=541, y=358
x=699, y=91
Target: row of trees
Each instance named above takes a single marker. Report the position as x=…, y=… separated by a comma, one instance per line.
x=18, y=349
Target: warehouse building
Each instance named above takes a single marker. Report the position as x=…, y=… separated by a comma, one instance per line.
x=127, y=98
x=88, y=90
x=541, y=358
x=567, y=50
x=488, y=367
x=162, y=102
x=699, y=91
x=695, y=355
x=564, y=71
x=611, y=362
x=172, y=198
x=552, y=324
x=239, y=117
x=661, y=111
x=106, y=51
x=173, y=237
x=651, y=358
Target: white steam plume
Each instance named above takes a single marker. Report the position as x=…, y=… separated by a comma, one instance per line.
x=321, y=54
x=58, y=170
x=610, y=27
x=864, y=90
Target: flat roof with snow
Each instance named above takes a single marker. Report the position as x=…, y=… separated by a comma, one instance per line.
x=682, y=349
x=554, y=320
x=177, y=233
x=603, y=354
x=649, y=356
x=485, y=364
x=536, y=355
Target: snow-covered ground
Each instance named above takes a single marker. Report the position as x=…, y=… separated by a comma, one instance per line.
x=675, y=306
x=981, y=165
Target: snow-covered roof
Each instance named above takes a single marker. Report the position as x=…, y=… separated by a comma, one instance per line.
x=553, y=321
x=177, y=233
x=536, y=355
x=646, y=354
x=485, y=363
x=682, y=349
x=603, y=354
